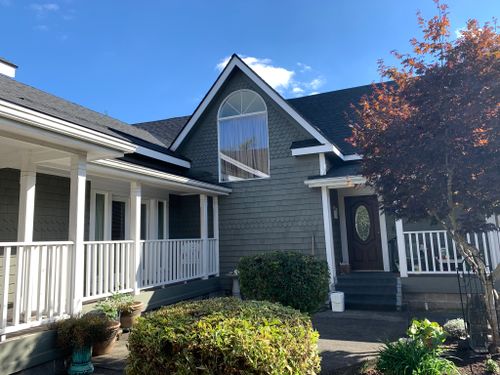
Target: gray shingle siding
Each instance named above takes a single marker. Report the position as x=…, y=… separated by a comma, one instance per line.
x=280, y=213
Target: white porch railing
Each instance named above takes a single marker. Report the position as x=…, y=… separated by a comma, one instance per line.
x=165, y=262
x=35, y=284
x=37, y=280
x=107, y=268
x=435, y=252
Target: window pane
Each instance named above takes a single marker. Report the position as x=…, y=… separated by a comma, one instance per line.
x=253, y=103
x=144, y=221
x=243, y=143
x=117, y=221
x=362, y=222
x=99, y=217
x=161, y=220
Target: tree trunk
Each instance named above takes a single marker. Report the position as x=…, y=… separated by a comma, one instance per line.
x=473, y=258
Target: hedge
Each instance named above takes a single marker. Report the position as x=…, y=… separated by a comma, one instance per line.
x=224, y=336
x=290, y=278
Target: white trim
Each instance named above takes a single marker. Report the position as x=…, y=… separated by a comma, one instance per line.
x=299, y=151
x=383, y=238
x=322, y=164
x=352, y=157
x=53, y=124
x=328, y=228
x=240, y=165
x=107, y=214
x=336, y=182
x=158, y=176
x=234, y=62
x=163, y=157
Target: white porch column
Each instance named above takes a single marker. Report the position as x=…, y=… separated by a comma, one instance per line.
x=25, y=296
x=204, y=232
x=403, y=271
x=494, y=241
x=76, y=227
x=328, y=228
x=215, y=209
x=135, y=233
x=27, y=189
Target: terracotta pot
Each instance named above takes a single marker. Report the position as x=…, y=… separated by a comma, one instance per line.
x=127, y=319
x=104, y=347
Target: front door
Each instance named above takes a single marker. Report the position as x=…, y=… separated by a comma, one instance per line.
x=363, y=233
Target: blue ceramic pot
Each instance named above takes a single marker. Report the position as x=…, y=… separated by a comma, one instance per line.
x=81, y=363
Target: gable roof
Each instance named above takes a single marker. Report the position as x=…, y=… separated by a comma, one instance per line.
x=236, y=62
x=26, y=96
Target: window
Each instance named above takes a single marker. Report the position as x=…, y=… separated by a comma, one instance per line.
x=162, y=222
x=118, y=214
x=243, y=137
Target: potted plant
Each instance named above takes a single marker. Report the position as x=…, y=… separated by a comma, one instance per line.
x=107, y=310
x=129, y=310
x=79, y=335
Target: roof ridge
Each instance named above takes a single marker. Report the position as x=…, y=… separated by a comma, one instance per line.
x=337, y=91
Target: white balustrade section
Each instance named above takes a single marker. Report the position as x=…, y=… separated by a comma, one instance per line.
x=435, y=252
x=35, y=284
x=107, y=268
x=170, y=261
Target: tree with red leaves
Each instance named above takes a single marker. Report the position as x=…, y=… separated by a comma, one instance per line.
x=430, y=137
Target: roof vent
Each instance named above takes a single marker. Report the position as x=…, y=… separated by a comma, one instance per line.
x=7, y=68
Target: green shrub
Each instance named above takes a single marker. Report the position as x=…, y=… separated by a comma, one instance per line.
x=292, y=279
x=83, y=331
x=419, y=354
x=455, y=328
x=224, y=336
x=492, y=366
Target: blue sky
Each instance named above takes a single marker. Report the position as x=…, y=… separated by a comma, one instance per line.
x=147, y=60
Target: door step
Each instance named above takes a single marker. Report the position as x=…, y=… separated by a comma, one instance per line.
x=371, y=290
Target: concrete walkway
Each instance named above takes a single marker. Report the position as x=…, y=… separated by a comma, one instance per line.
x=346, y=339
x=352, y=337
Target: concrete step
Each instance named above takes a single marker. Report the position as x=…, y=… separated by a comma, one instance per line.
x=367, y=289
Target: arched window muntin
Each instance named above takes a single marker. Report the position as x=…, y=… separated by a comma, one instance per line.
x=243, y=137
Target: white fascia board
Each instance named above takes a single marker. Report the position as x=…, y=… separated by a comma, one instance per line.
x=324, y=149
x=336, y=182
x=135, y=171
x=236, y=62
x=56, y=125
x=163, y=157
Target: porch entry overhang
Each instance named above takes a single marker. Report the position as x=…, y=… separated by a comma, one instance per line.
x=361, y=252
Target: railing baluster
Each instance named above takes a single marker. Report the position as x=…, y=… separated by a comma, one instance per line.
x=5, y=286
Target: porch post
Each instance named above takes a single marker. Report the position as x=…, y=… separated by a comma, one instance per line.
x=135, y=233
x=494, y=242
x=76, y=227
x=27, y=189
x=215, y=209
x=328, y=228
x=24, y=284
x=204, y=233
x=403, y=271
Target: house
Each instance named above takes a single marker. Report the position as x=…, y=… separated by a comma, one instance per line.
x=90, y=205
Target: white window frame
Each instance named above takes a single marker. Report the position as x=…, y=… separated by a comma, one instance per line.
x=266, y=112
x=165, y=218
x=107, y=214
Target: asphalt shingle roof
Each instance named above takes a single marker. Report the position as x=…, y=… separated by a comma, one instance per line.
x=329, y=113
x=165, y=130
x=18, y=93
x=350, y=168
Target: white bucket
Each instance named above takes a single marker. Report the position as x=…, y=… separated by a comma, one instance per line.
x=337, y=301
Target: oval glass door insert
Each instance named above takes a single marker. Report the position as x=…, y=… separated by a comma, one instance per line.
x=362, y=222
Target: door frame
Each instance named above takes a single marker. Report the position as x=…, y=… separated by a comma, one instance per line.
x=354, y=192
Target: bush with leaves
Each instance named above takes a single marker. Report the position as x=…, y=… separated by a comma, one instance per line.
x=419, y=354
x=492, y=366
x=455, y=328
x=290, y=278
x=224, y=336
x=76, y=333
